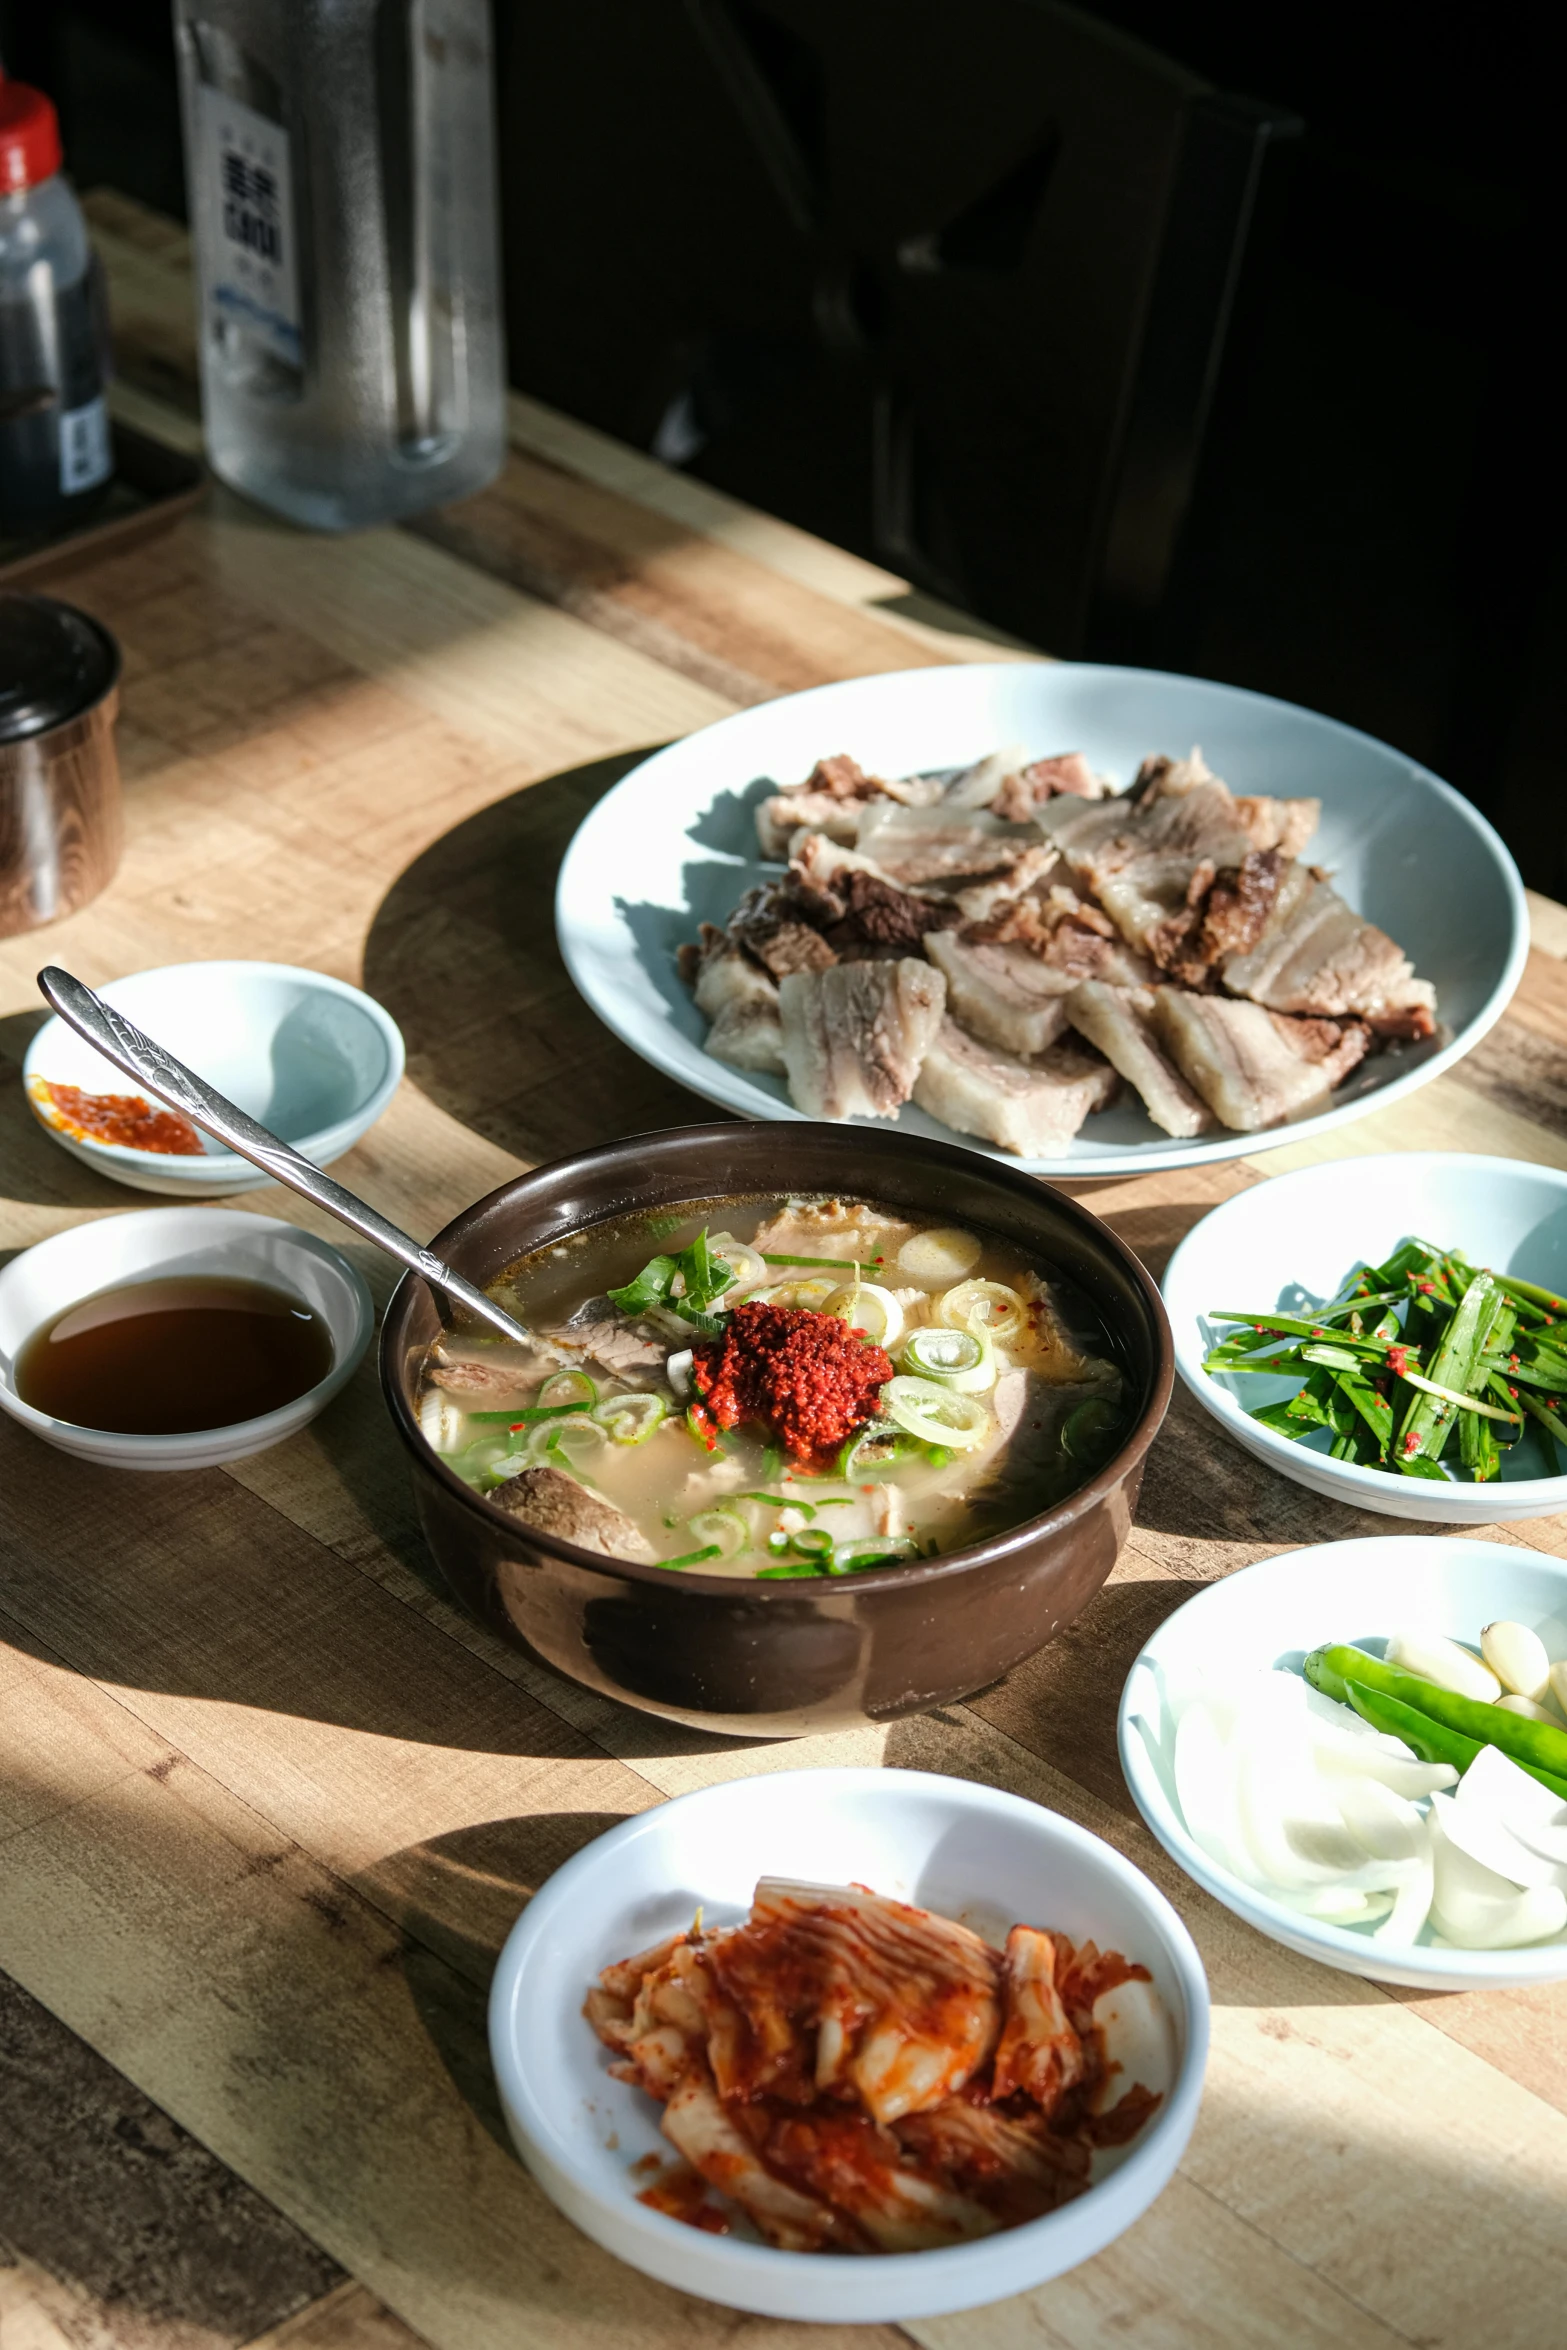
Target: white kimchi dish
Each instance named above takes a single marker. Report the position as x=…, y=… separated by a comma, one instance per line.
x=972, y=1855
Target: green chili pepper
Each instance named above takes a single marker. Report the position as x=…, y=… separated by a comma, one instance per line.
x=1537, y=1747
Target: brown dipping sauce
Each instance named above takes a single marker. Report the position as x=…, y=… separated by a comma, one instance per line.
x=169, y=1356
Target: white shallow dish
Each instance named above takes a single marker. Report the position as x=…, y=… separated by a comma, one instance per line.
x=1290, y=1242
x=992, y=1859
x=674, y=844
x=1275, y=1613
x=314, y=1059
x=43, y=1281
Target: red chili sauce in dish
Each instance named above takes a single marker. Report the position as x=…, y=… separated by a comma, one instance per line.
x=124, y=1118
x=807, y=1377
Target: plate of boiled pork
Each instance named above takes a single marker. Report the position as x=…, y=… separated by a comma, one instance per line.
x=1080, y=917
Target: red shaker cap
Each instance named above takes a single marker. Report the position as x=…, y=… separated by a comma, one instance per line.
x=29, y=138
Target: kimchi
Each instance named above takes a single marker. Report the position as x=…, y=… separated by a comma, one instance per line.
x=854, y=2074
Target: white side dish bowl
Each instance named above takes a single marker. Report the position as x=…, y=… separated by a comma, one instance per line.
x=1272, y=1615
x=971, y=1852
x=674, y=844
x=1293, y=1241
x=40, y=1283
x=314, y=1059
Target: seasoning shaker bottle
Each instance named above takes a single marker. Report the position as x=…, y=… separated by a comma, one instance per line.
x=340, y=156
x=60, y=820
x=55, y=455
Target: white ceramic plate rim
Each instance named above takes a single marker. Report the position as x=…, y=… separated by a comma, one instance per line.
x=579, y=920
x=214, y=1165
x=1457, y=1968
x=1526, y=1496
x=958, y=2268
x=178, y=1444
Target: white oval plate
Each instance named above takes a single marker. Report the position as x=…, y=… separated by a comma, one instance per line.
x=1296, y=1237
x=972, y=1852
x=674, y=844
x=1275, y=1613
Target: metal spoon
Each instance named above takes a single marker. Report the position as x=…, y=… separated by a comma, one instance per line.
x=120, y=1041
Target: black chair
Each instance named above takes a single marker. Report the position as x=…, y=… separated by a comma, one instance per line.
x=950, y=286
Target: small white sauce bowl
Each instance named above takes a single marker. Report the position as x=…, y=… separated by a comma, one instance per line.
x=1276, y=1613
x=1296, y=1237
x=974, y=1853
x=44, y=1280
x=313, y=1058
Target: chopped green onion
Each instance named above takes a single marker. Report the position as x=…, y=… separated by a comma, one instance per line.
x=650, y=1288
x=964, y=1360
x=573, y=1390
x=692, y=1558
x=724, y=1528
x=935, y=1414
x=824, y=1264
x=630, y=1419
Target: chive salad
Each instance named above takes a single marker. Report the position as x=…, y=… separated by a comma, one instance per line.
x=1426, y=1366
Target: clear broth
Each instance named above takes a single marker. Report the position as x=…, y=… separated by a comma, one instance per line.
x=669, y=1479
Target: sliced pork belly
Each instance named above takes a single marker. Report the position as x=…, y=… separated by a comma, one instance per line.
x=925, y=847
x=1005, y=995
x=858, y=911
x=980, y=901
x=1046, y=779
x=1318, y=956
x=854, y=1036
x=1252, y=1067
x=769, y=925
x=1031, y=1107
x=1119, y=1020
x=742, y=1003
x=977, y=786
x=780, y=818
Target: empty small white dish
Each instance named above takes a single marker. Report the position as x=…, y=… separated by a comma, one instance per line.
x=1290, y=1243
x=971, y=1852
x=186, y=1243
x=1273, y=1614
x=312, y=1058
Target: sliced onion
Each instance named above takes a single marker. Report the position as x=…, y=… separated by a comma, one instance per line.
x=936, y=1415
x=869, y=1308
x=440, y=1421
x=678, y=1371
x=943, y=1255
x=992, y=1303
x=964, y=1360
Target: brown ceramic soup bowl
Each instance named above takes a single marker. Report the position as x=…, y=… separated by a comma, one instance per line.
x=766, y=1658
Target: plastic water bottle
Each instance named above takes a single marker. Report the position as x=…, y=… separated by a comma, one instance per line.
x=340, y=160
x=55, y=449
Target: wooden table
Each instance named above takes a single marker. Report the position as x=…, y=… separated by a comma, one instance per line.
x=269, y=1803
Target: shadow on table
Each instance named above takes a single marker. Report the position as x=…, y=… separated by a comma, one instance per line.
x=462, y=953
x=456, y=1898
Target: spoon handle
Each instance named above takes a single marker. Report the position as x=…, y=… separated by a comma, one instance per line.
x=129, y=1048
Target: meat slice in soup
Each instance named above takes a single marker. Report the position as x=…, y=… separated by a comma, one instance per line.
x=778, y=1388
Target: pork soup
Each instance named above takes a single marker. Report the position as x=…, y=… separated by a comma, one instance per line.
x=778, y=1387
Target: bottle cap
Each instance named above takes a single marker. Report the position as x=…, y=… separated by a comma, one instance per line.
x=29, y=138
x=55, y=663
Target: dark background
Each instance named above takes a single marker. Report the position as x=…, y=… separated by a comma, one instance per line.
x=1375, y=522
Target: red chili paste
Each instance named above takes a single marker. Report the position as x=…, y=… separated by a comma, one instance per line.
x=805, y=1376
x=121, y=1118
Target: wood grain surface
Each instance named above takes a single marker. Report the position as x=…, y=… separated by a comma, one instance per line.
x=269, y=1803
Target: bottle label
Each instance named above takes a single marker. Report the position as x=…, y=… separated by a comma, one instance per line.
x=253, y=274
x=85, y=457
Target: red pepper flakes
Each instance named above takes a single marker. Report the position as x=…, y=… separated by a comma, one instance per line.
x=1512, y=1362
x=1398, y=1360
x=1427, y=1288
x=1411, y=1442
x=804, y=1376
